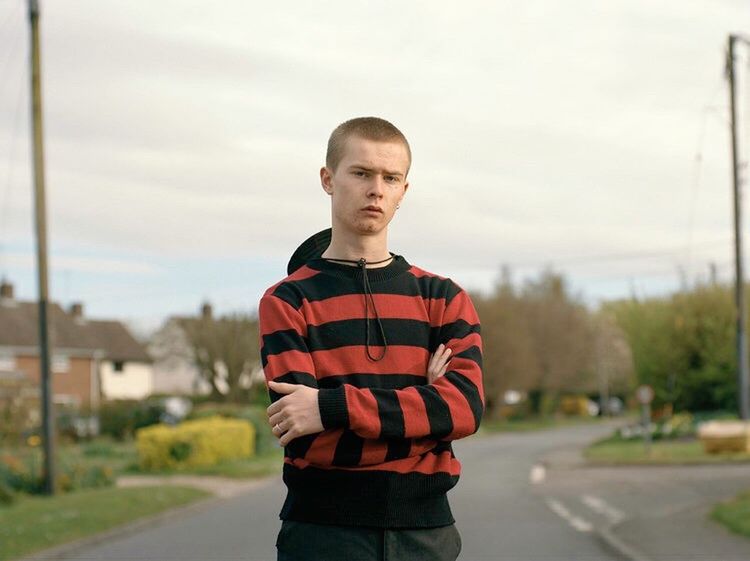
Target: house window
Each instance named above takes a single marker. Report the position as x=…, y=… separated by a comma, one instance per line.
x=7, y=362
x=119, y=366
x=60, y=364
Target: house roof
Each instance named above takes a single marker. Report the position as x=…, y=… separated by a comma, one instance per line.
x=19, y=328
x=115, y=339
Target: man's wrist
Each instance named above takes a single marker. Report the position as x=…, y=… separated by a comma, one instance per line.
x=332, y=406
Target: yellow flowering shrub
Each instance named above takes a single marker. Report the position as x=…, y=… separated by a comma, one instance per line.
x=200, y=442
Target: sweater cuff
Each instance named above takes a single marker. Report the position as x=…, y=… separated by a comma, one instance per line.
x=332, y=405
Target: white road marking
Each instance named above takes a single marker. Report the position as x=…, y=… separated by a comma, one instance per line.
x=600, y=506
x=537, y=474
x=578, y=523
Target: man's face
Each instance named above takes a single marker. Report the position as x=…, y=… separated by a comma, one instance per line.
x=371, y=174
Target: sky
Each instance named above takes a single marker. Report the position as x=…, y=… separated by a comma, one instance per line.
x=183, y=141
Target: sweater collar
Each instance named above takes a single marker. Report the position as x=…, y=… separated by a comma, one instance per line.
x=375, y=274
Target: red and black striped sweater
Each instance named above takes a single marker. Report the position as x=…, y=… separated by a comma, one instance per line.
x=384, y=458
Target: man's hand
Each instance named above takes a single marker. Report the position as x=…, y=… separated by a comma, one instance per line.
x=296, y=414
x=438, y=363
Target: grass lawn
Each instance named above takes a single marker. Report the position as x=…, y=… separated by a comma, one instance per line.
x=614, y=450
x=101, y=452
x=734, y=514
x=534, y=423
x=35, y=523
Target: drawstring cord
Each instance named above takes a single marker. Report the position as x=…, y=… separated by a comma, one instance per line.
x=362, y=264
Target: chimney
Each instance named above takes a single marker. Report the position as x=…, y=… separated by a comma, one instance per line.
x=76, y=310
x=6, y=290
x=206, y=310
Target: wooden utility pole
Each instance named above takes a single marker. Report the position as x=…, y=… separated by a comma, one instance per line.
x=743, y=375
x=48, y=415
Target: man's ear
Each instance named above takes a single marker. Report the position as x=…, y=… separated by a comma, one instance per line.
x=325, y=180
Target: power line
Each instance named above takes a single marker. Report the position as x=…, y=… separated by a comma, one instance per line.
x=16, y=40
x=698, y=166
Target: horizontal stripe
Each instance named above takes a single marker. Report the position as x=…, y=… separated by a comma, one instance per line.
x=346, y=333
x=426, y=464
x=303, y=378
x=276, y=365
x=318, y=287
x=457, y=330
x=350, y=306
x=352, y=359
x=281, y=341
x=473, y=353
x=278, y=315
x=435, y=286
x=382, y=381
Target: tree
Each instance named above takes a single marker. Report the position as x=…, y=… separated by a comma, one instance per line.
x=225, y=351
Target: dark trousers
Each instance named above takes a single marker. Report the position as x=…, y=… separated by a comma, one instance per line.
x=303, y=541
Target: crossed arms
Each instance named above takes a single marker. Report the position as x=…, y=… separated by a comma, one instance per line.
x=448, y=407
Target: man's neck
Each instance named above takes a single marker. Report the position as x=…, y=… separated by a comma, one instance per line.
x=372, y=248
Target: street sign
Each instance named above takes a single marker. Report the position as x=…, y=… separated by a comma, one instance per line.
x=644, y=394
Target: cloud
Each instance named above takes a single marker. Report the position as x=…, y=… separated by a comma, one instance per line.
x=69, y=263
x=541, y=130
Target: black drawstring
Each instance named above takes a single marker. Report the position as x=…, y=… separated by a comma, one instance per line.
x=362, y=263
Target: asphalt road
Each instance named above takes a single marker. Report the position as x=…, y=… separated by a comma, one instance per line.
x=505, y=510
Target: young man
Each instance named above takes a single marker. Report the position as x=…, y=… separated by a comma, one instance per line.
x=373, y=367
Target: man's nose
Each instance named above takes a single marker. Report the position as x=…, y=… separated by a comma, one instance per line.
x=376, y=186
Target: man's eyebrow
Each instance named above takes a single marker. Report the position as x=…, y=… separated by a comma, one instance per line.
x=365, y=168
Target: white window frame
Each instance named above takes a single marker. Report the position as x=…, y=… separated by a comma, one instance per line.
x=60, y=364
x=7, y=361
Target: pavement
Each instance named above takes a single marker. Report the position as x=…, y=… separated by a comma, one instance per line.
x=649, y=513
x=222, y=487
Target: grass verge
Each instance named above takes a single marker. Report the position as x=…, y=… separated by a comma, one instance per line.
x=734, y=514
x=615, y=451
x=534, y=423
x=36, y=523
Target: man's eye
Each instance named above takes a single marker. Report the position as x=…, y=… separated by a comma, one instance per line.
x=391, y=178
x=360, y=173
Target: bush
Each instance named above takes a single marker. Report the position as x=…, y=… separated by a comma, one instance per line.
x=28, y=477
x=256, y=415
x=79, y=477
x=199, y=442
x=121, y=418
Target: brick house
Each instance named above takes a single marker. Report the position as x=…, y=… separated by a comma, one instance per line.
x=83, y=353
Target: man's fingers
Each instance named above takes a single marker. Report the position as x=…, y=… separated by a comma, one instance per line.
x=434, y=357
x=275, y=419
x=282, y=387
x=288, y=437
